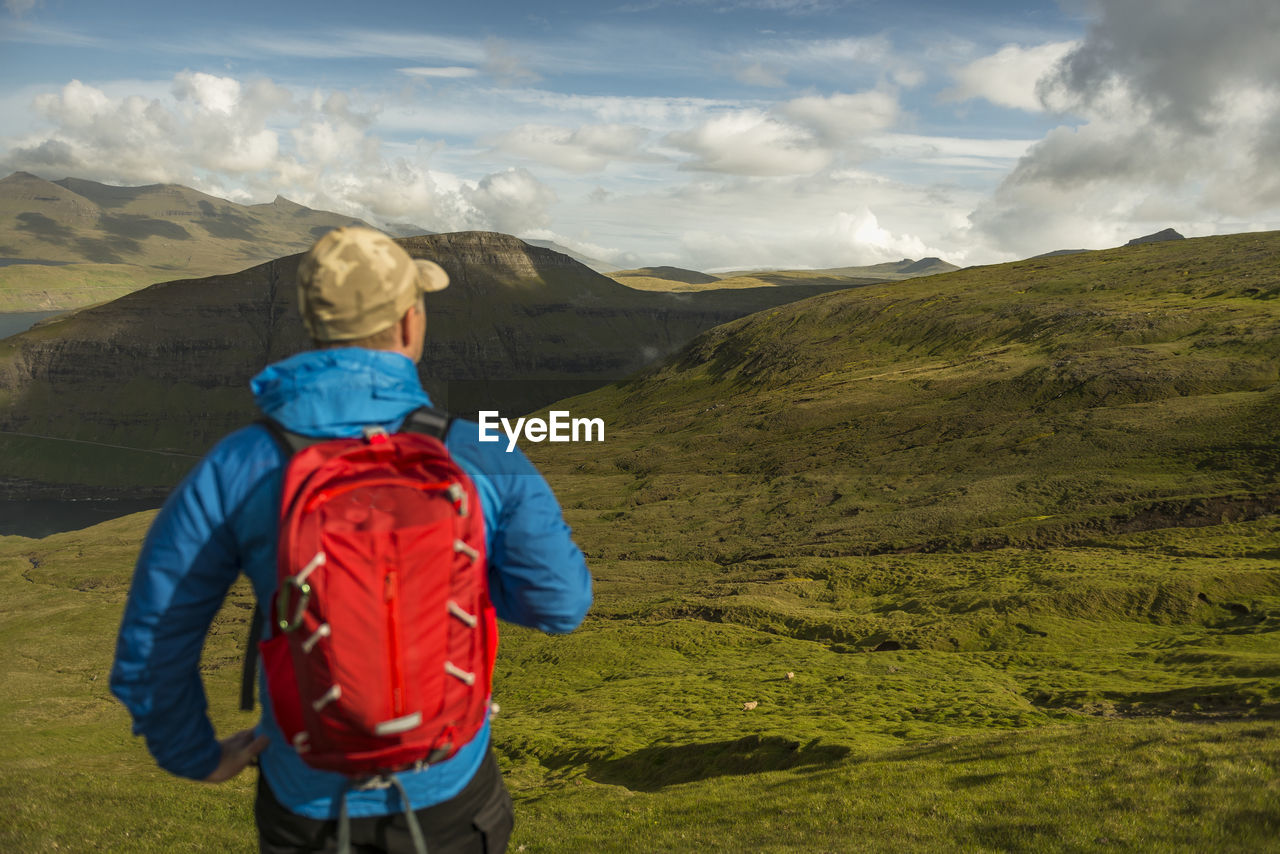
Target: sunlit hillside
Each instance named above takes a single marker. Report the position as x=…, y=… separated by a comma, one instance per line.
x=982, y=561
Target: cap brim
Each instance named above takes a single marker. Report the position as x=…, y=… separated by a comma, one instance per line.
x=431, y=276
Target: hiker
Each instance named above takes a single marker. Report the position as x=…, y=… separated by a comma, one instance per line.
x=362, y=302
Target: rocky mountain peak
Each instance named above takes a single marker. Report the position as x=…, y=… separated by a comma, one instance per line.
x=508, y=259
x=1158, y=237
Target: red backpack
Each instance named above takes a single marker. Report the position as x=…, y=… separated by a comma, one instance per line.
x=383, y=637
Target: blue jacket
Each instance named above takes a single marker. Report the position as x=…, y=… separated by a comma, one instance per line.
x=221, y=521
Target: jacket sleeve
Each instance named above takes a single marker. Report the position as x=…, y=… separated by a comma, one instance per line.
x=187, y=563
x=537, y=574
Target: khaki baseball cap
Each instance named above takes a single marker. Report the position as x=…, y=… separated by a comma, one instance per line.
x=356, y=282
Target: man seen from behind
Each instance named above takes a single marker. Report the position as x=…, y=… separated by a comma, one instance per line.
x=362, y=300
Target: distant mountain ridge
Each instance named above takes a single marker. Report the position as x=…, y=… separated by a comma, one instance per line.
x=907, y=268
x=1162, y=236
x=677, y=279
x=109, y=240
x=162, y=225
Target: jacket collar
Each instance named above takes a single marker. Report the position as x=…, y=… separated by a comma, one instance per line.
x=340, y=391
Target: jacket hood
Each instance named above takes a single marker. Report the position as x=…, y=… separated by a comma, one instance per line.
x=340, y=391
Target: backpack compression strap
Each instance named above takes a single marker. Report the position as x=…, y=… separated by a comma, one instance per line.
x=425, y=419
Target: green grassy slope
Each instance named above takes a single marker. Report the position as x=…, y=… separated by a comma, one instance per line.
x=31, y=287
x=663, y=278
x=745, y=281
x=1100, y=724
x=1024, y=404
x=676, y=280
x=888, y=271
x=1013, y=531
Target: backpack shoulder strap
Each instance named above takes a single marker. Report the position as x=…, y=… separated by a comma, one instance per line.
x=429, y=420
x=249, y=669
x=289, y=443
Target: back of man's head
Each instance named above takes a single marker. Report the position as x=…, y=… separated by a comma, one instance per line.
x=356, y=283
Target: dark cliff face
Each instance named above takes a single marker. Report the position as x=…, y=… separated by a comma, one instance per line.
x=167, y=368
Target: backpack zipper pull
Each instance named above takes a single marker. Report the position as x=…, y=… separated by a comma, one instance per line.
x=375, y=435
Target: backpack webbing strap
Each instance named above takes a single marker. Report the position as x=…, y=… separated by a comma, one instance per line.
x=428, y=420
x=249, y=671
x=289, y=444
x=425, y=419
x=411, y=819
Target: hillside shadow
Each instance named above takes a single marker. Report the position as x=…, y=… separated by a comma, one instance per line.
x=43, y=227
x=137, y=227
x=226, y=223
x=655, y=768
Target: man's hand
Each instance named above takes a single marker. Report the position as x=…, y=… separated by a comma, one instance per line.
x=237, y=751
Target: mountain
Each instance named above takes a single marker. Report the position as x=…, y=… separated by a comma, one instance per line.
x=679, y=280
x=1059, y=252
x=982, y=505
x=594, y=263
x=1159, y=237
x=1024, y=403
x=405, y=229
x=159, y=374
x=72, y=242
x=888, y=271
x=977, y=562
x=663, y=278
x=1012, y=509
x=929, y=266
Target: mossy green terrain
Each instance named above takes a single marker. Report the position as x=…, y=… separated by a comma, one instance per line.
x=676, y=282
x=32, y=287
x=987, y=561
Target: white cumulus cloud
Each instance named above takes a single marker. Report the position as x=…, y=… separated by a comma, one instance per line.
x=514, y=201
x=1009, y=76
x=750, y=142
x=1178, y=122
x=841, y=117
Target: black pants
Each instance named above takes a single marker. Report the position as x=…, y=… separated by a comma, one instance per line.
x=478, y=820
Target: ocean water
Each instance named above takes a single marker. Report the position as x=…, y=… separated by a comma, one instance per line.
x=13, y=322
x=44, y=516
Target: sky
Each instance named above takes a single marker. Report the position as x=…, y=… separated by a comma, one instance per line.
x=709, y=134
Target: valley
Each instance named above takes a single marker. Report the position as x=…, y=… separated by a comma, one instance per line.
x=1013, y=532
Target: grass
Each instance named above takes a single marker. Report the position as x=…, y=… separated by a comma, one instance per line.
x=33, y=287
x=642, y=281
x=1014, y=532
x=1094, y=701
